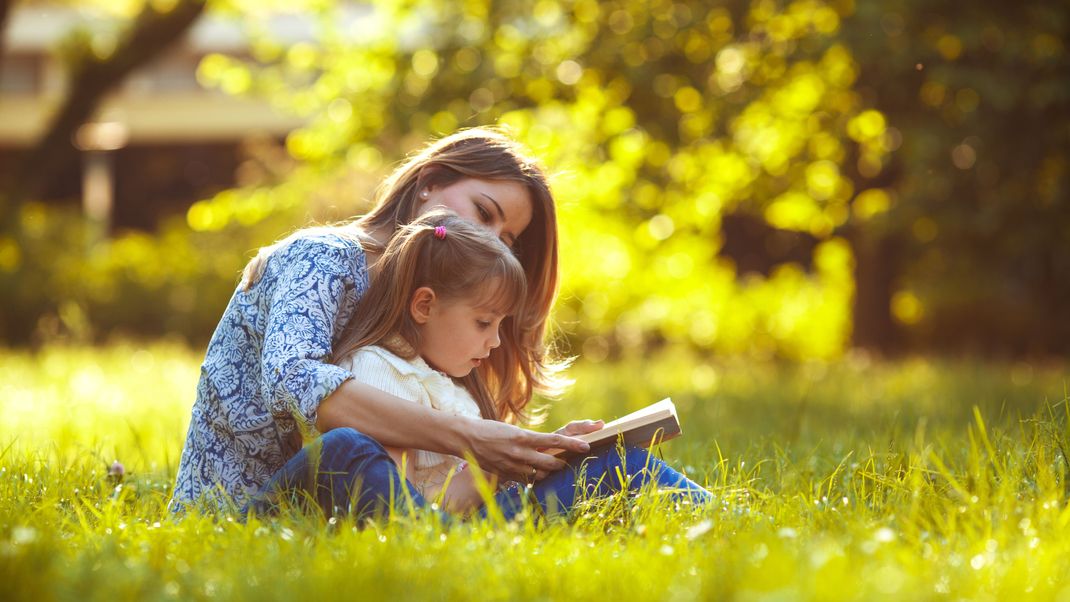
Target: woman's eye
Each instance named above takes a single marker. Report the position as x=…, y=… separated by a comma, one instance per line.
x=483, y=323
x=483, y=213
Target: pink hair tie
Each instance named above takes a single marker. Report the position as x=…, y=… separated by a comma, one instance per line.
x=440, y=232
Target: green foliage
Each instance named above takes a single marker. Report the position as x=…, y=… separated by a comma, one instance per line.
x=924, y=156
x=848, y=480
x=978, y=101
x=65, y=281
x=656, y=120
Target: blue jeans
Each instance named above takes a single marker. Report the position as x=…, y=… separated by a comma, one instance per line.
x=357, y=477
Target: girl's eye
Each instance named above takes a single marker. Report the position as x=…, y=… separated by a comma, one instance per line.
x=483, y=213
x=483, y=324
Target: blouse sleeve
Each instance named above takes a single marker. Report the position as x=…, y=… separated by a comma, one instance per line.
x=315, y=290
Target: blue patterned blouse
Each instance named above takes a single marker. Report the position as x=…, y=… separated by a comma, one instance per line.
x=266, y=369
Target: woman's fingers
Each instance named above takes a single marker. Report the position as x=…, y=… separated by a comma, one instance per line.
x=556, y=441
x=513, y=452
x=532, y=466
x=546, y=462
x=535, y=468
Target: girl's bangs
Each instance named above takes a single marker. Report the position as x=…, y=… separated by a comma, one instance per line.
x=502, y=291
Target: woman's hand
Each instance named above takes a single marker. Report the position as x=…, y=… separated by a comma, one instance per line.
x=580, y=427
x=514, y=453
x=503, y=449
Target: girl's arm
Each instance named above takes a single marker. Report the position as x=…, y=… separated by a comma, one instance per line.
x=500, y=448
x=463, y=495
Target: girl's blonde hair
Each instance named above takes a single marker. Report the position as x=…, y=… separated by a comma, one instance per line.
x=467, y=262
x=521, y=364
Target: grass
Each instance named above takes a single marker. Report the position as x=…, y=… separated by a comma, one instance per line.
x=853, y=480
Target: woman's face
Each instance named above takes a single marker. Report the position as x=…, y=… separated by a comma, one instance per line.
x=503, y=206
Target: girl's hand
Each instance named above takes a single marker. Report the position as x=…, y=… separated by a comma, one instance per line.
x=580, y=427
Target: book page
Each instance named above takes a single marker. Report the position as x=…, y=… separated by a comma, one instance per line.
x=638, y=427
x=642, y=415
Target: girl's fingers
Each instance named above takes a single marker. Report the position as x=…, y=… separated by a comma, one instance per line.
x=580, y=427
x=587, y=426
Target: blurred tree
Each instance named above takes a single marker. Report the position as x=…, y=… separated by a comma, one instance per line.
x=5, y=7
x=41, y=267
x=93, y=72
x=772, y=177
x=660, y=117
x=975, y=244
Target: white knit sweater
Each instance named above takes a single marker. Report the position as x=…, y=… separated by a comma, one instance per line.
x=415, y=381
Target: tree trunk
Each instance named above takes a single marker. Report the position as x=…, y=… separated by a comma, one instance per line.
x=876, y=269
x=5, y=8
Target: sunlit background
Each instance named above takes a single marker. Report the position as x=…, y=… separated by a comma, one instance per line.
x=779, y=180
x=837, y=234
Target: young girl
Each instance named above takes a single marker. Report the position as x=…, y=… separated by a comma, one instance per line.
x=431, y=317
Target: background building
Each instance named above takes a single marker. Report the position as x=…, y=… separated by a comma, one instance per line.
x=161, y=141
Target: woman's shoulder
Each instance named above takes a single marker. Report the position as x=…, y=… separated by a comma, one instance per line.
x=339, y=238
x=334, y=249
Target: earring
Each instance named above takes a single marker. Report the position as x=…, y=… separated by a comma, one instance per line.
x=424, y=194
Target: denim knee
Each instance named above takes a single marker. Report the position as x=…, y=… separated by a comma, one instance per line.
x=637, y=459
x=631, y=458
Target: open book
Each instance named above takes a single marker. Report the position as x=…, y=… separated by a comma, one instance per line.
x=653, y=424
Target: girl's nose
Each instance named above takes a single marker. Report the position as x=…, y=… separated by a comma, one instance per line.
x=495, y=339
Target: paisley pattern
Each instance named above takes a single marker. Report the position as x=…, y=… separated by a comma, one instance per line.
x=265, y=371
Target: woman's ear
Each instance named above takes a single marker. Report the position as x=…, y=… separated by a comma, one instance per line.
x=423, y=299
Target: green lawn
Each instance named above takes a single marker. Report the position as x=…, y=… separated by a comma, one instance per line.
x=855, y=480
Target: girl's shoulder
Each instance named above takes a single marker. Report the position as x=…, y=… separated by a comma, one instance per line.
x=385, y=371
x=374, y=358
x=377, y=365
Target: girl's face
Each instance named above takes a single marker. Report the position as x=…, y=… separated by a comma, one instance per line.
x=503, y=206
x=456, y=335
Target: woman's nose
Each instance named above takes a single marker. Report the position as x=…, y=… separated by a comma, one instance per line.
x=495, y=340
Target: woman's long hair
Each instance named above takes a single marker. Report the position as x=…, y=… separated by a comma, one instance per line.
x=468, y=262
x=521, y=365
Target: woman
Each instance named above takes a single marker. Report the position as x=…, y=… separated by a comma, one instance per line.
x=266, y=380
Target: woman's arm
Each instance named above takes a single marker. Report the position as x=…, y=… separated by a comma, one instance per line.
x=311, y=285
x=501, y=448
